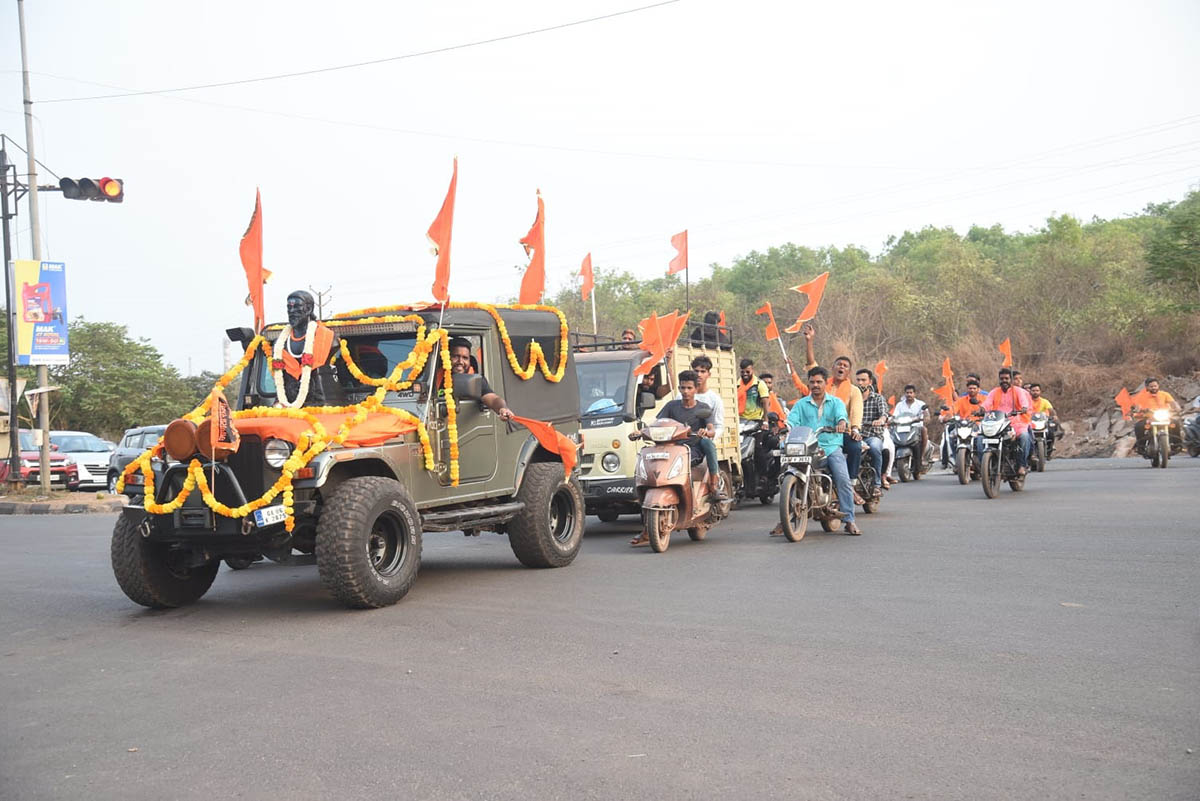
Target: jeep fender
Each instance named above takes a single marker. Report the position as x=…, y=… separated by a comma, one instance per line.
x=531, y=452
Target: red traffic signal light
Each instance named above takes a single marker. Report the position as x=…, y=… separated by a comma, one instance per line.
x=110, y=189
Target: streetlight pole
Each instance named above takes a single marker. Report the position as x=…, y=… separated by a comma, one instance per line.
x=43, y=375
x=14, y=425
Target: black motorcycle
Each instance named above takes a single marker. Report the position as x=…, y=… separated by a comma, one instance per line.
x=1001, y=460
x=1191, y=436
x=760, y=459
x=1043, y=431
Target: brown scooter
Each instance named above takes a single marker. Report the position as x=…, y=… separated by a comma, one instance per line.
x=672, y=490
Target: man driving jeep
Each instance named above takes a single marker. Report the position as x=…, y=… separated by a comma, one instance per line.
x=460, y=364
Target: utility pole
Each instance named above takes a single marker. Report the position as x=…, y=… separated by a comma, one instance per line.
x=323, y=297
x=14, y=424
x=43, y=374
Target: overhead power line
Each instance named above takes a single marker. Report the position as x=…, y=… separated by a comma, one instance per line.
x=373, y=62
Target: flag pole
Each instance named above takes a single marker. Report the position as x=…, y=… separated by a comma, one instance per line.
x=595, y=328
x=687, y=289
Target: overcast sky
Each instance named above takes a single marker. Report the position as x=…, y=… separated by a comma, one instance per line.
x=750, y=124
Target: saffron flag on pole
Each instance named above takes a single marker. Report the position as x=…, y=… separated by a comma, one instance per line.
x=552, y=440
x=439, y=237
x=880, y=368
x=251, y=252
x=945, y=392
x=772, y=331
x=946, y=371
x=658, y=336
x=1005, y=347
x=679, y=263
x=533, y=283
x=589, y=280
x=813, y=289
x=1125, y=401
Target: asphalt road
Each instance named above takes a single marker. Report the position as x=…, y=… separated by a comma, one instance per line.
x=1038, y=646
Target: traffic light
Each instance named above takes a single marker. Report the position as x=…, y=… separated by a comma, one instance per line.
x=110, y=189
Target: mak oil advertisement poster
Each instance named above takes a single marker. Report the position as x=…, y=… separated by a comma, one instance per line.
x=41, y=312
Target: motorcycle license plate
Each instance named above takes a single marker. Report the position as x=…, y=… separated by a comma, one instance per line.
x=992, y=441
x=269, y=516
x=797, y=460
x=654, y=457
x=903, y=429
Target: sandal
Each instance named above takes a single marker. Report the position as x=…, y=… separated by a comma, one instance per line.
x=639, y=541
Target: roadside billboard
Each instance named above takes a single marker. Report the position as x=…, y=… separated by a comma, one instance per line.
x=41, y=311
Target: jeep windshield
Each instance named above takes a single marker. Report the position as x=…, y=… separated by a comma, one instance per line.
x=375, y=355
x=603, y=386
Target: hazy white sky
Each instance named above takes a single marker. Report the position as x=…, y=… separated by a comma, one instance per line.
x=750, y=124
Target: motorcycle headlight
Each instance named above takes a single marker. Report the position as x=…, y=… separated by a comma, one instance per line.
x=1162, y=416
x=276, y=452
x=676, y=467
x=611, y=462
x=661, y=433
x=964, y=432
x=794, y=449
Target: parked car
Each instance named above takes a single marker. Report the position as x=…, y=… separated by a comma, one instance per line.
x=131, y=446
x=63, y=470
x=90, y=453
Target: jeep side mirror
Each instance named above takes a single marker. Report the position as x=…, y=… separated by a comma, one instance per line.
x=468, y=386
x=628, y=418
x=241, y=335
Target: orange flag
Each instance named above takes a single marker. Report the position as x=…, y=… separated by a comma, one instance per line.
x=679, y=263
x=773, y=405
x=1125, y=401
x=658, y=335
x=533, y=283
x=550, y=439
x=1005, y=347
x=880, y=369
x=251, y=251
x=814, y=289
x=589, y=280
x=892, y=402
x=945, y=392
x=946, y=371
x=772, y=331
x=439, y=237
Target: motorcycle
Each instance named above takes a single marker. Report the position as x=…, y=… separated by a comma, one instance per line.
x=1000, y=460
x=671, y=485
x=1040, y=428
x=1191, y=436
x=806, y=488
x=962, y=432
x=911, y=461
x=864, y=483
x=1162, y=437
x=759, y=441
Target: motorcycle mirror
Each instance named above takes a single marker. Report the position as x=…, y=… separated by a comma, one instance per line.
x=772, y=417
x=704, y=413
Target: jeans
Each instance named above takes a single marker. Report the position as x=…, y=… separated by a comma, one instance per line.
x=852, y=448
x=841, y=480
x=875, y=446
x=709, y=449
x=1024, y=441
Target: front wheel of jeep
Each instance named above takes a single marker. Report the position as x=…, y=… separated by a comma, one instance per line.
x=369, y=542
x=549, y=530
x=154, y=575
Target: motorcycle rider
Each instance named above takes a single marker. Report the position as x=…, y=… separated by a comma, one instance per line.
x=774, y=404
x=819, y=409
x=874, y=420
x=1148, y=401
x=1017, y=380
x=842, y=386
x=752, y=393
x=702, y=369
x=911, y=404
x=1010, y=398
x=964, y=406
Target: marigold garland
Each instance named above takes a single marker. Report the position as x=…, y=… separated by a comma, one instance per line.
x=316, y=438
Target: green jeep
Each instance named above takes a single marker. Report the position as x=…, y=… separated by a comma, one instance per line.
x=360, y=511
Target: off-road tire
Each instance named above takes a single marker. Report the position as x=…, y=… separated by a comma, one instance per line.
x=1164, y=449
x=549, y=530
x=658, y=523
x=793, y=514
x=608, y=515
x=140, y=566
x=989, y=476
x=962, y=466
x=369, y=542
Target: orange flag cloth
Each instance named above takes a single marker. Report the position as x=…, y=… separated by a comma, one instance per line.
x=946, y=371
x=1125, y=401
x=814, y=289
x=378, y=428
x=533, y=283
x=880, y=368
x=679, y=263
x=550, y=439
x=772, y=331
x=1005, y=347
x=945, y=392
x=773, y=405
x=251, y=251
x=892, y=402
x=589, y=280
x=658, y=335
x=439, y=237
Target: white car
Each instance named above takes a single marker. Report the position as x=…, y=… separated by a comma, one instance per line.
x=90, y=453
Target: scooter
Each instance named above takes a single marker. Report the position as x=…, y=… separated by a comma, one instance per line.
x=759, y=441
x=806, y=489
x=671, y=485
x=911, y=461
x=966, y=467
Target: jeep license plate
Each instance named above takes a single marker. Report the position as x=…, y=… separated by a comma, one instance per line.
x=797, y=460
x=269, y=516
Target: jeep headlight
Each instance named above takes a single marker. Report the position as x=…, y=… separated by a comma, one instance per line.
x=795, y=449
x=276, y=452
x=611, y=462
x=676, y=467
x=1162, y=416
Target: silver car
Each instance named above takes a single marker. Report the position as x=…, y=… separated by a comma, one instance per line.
x=89, y=452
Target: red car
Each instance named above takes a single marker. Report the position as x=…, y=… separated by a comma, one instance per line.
x=63, y=470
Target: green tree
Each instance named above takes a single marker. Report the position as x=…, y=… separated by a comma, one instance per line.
x=1173, y=254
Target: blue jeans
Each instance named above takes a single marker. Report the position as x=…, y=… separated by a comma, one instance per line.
x=1024, y=442
x=841, y=480
x=853, y=450
x=709, y=449
x=875, y=449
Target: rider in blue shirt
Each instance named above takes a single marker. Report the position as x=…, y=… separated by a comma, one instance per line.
x=819, y=409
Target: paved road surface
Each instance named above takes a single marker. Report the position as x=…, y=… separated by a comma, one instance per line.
x=1041, y=645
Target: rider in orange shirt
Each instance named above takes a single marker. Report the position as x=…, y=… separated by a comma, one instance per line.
x=1145, y=403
